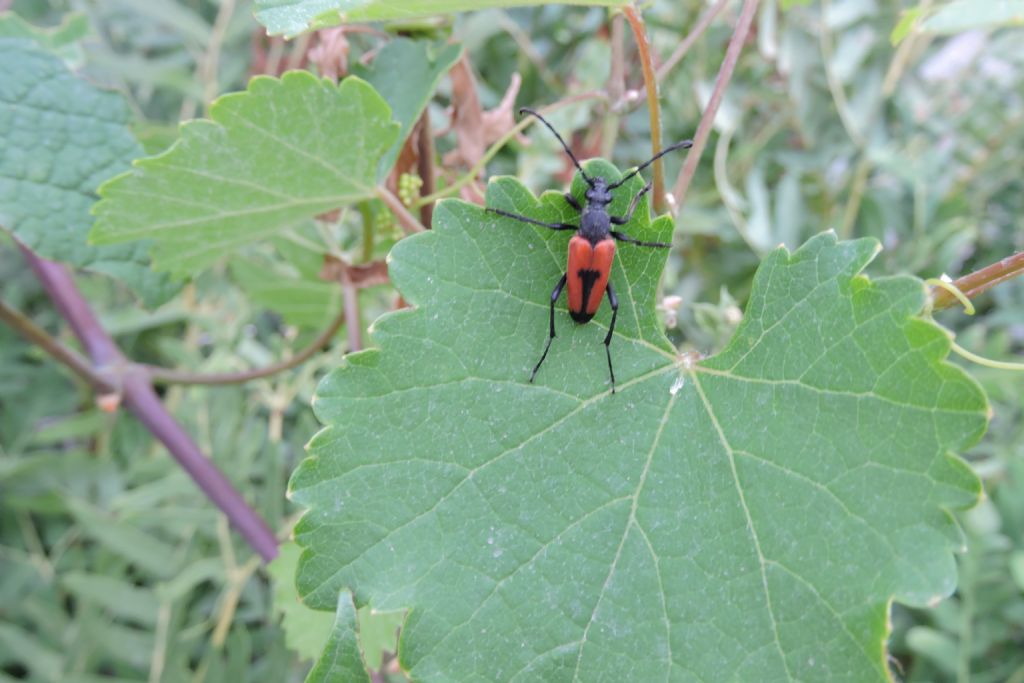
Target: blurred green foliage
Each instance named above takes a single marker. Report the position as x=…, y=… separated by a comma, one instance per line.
x=114, y=567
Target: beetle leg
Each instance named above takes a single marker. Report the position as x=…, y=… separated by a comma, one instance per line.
x=626, y=238
x=622, y=220
x=614, y=301
x=555, y=293
x=533, y=221
x=571, y=201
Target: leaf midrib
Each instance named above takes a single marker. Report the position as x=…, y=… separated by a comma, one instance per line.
x=631, y=522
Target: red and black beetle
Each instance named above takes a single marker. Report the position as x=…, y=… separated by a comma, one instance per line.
x=592, y=248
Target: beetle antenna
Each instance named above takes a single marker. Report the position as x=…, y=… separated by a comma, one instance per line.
x=564, y=146
x=685, y=144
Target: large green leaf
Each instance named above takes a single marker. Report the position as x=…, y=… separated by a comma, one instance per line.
x=746, y=518
x=292, y=17
x=62, y=138
x=271, y=157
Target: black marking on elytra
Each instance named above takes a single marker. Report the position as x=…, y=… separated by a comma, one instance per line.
x=588, y=278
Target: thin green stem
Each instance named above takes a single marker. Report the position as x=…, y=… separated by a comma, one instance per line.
x=158, y=660
x=857, y=189
x=211, y=59
x=968, y=576
x=986, y=362
x=366, y=213
x=952, y=289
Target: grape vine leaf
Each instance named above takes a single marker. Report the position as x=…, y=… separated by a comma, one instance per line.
x=63, y=40
x=746, y=517
x=292, y=17
x=62, y=138
x=421, y=65
x=270, y=158
x=306, y=630
x=341, y=659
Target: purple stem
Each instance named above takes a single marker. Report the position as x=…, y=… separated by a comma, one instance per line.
x=143, y=401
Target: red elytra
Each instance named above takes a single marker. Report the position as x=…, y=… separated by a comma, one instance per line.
x=590, y=266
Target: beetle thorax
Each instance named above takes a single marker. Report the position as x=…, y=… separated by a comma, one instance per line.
x=594, y=222
x=598, y=194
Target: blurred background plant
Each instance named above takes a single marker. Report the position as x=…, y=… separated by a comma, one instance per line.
x=898, y=120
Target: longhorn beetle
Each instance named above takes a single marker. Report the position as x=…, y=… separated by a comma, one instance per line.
x=592, y=248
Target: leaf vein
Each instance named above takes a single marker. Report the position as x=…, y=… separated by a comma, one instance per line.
x=630, y=522
x=750, y=520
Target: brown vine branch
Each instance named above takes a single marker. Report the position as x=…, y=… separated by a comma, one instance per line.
x=707, y=120
x=404, y=217
x=80, y=365
x=698, y=30
x=425, y=165
x=705, y=20
x=162, y=375
x=636, y=23
x=980, y=281
x=351, y=278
